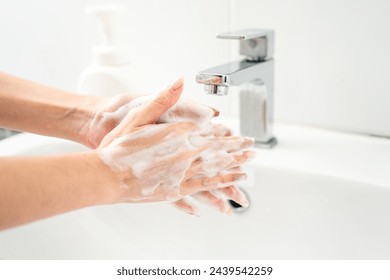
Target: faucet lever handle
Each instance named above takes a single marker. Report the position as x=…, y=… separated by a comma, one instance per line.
x=255, y=44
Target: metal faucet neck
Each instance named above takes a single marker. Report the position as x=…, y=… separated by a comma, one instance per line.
x=257, y=70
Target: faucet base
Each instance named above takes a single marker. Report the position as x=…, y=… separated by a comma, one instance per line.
x=267, y=145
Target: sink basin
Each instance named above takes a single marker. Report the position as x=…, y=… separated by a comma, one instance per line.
x=317, y=195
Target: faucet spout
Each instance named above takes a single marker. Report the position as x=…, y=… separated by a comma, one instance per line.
x=237, y=73
x=256, y=78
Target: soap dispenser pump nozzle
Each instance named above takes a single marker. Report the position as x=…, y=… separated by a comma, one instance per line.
x=109, y=51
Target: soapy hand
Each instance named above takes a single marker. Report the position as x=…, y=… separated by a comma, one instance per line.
x=141, y=155
x=218, y=198
x=110, y=112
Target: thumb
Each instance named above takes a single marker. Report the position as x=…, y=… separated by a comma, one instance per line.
x=161, y=103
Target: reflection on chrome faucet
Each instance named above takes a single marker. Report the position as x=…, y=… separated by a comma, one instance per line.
x=255, y=75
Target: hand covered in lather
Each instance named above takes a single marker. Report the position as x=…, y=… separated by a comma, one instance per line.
x=171, y=151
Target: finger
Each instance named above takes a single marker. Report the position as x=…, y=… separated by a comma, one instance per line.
x=214, y=130
x=232, y=143
x=162, y=102
x=234, y=193
x=196, y=174
x=185, y=111
x=146, y=136
x=211, y=199
x=204, y=183
x=185, y=205
x=218, y=164
x=221, y=144
x=220, y=130
x=216, y=112
x=235, y=169
x=194, y=170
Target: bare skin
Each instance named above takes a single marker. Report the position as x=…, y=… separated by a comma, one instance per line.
x=38, y=187
x=32, y=107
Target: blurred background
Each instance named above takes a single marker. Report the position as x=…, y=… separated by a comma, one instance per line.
x=332, y=57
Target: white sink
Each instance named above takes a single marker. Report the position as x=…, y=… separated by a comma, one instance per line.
x=317, y=195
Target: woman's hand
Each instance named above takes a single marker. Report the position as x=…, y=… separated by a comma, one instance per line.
x=202, y=158
x=165, y=162
x=110, y=112
x=217, y=199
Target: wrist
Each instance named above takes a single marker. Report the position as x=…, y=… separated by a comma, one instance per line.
x=105, y=183
x=86, y=107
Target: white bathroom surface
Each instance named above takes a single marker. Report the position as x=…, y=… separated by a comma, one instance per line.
x=317, y=195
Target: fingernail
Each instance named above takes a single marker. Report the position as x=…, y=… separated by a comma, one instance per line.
x=216, y=112
x=194, y=212
x=250, y=155
x=241, y=197
x=249, y=140
x=177, y=84
x=229, y=211
x=245, y=156
x=245, y=204
x=224, y=207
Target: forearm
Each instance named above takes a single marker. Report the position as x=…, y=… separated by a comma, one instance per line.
x=33, y=188
x=32, y=107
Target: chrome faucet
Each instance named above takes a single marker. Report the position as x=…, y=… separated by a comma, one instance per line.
x=255, y=75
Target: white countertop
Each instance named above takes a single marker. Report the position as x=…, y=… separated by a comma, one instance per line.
x=350, y=156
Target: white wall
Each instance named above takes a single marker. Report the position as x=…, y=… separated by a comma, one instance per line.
x=332, y=56
x=332, y=60
x=50, y=41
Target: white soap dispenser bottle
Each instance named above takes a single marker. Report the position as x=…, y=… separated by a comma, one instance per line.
x=109, y=73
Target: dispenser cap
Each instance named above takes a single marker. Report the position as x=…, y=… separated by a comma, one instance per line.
x=109, y=51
